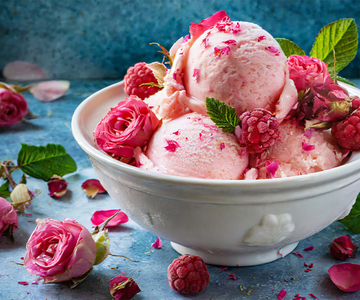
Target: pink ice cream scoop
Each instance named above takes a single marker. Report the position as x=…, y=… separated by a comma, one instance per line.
x=299, y=152
x=192, y=146
x=240, y=64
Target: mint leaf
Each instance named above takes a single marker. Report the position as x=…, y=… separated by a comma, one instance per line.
x=352, y=220
x=43, y=162
x=340, y=36
x=4, y=189
x=342, y=79
x=222, y=115
x=289, y=47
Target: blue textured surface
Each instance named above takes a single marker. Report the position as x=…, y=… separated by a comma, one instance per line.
x=253, y=283
x=101, y=39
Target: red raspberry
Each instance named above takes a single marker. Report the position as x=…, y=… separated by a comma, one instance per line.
x=260, y=130
x=188, y=274
x=137, y=75
x=347, y=131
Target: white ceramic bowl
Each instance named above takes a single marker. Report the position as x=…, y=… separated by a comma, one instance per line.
x=229, y=223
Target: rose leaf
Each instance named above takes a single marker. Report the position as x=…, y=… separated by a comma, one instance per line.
x=352, y=220
x=43, y=162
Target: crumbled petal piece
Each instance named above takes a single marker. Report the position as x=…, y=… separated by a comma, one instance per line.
x=122, y=287
x=186, y=38
x=23, y=282
x=230, y=42
x=312, y=295
x=343, y=247
x=307, y=147
x=273, y=49
x=172, y=145
x=222, y=146
x=232, y=276
x=196, y=74
x=220, y=51
x=309, y=248
x=271, y=167
x=298, y=254
x=157, y=244
x=261, y=38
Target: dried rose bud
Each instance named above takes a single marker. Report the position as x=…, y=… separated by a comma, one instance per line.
x=92, y=187
x=122, y=287
x=342, y=247
x=57, y=186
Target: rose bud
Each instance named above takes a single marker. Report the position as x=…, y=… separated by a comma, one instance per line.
x=8, y=217
x=13, y=107
x=59, y=251
x=128, y=125
x=342, y=247
x=122, y=287
x=57, y=186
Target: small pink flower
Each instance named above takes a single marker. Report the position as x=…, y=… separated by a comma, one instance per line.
x=13, y=107
x=343, y=248
x=58, y=251
x=128, y=125
x=92, y=187
x=123, y=288
x=8, y=216
x=100, y=216
x=157, y=244
x=346, y=276
x=57, y=186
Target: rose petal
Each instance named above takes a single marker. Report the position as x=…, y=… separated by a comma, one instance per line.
x=92, y=187
x=47, y=91
x=282, y=294
x=122, y=287
x=101, y=216
x=22, y=71
x=346, y=276
x=157, y=244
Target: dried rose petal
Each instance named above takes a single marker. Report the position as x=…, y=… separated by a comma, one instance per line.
x=122, y=287
x=92, y=187
x=47, y=91
x=101, y=216
x=21, y=71
x=309, y=248
x=343, y=247
x=282, y=294
x=232, y=276
x=346, y=276
x=57, y=186
x=157, y=244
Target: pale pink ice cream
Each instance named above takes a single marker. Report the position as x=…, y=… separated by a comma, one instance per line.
x=300, y=151
x=192, y=146
x=240, y=64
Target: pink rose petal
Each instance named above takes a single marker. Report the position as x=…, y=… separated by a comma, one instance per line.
x=282, y=294
x=309, y=248
x=271, y=167
x=157, y=244
x=92, y=187
x=101, y=216
x=22, y=71
x=47, y=91
x=346, y=276
x=307, y=147
x=172, y=145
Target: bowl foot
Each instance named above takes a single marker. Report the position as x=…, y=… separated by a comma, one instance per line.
x=237, y=259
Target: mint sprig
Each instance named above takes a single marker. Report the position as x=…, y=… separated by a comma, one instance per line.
x=290, y=48
x=224, y=116
x=43, y=162
x=352, y=220
x=340, y=36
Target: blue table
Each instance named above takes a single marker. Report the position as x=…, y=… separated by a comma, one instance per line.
x=258, y=282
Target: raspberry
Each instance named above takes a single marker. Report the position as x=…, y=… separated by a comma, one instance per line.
x=347, y=131
x=260, y=130
x=188, y=274
x=137, y=75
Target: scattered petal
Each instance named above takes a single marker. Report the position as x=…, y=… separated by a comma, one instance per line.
x=172, y=145
x=282, y=294
x=122, y=287
x=309, y=248
x=92, y=187
x=157, y=244
x=232, y=276
x=223, y=269
x=273, y=49
x=230, y=42
x=222, y=146
x=307, y=147
x=196, y=74
x=101, y=216
x=343, y=247
x=57, y=186
x=346, y=276
x=23, y=282
x=22, y=71
x=312, y=295
x=220, y=51
x=47, y=91
x=298, y=254
x=271, y=168
x=262, y=37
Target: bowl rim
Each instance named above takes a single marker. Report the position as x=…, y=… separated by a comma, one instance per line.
x=77, y=123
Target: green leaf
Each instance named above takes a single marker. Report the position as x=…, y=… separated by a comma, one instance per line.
x=352, y=220
x=289, y=47
x=342, y=79
x=4, y=189
x=43, y=162
x=222, y=115
x=340, y=36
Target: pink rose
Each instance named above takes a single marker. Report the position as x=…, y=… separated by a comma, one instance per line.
x=128, y=125
x=8, y=216
x=306, y=71
x=13, y=107
x=58, y=251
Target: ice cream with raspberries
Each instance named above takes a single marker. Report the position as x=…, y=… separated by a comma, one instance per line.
x=233, y=106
